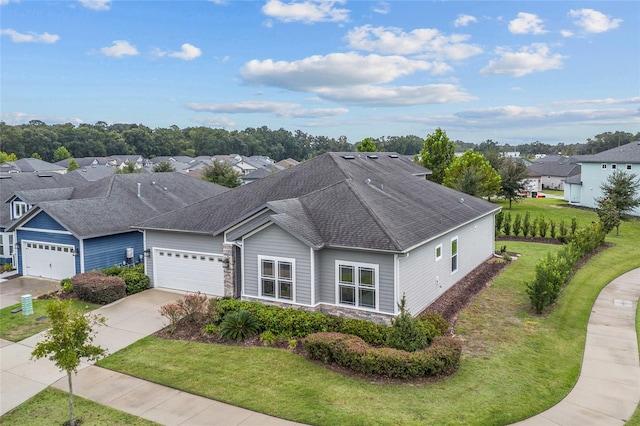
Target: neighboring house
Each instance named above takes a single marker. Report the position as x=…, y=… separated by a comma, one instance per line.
x=255, y=175
x=287, y=162
x=572, y=189
x=532, y=184
x=510, y=154
x=554, y=170
x=11, y=183
x=120, y=161
x=93, y=173
x=84, y=162
x=79, y=228
x=237, y=162
x=596, y=168
x=346, y=233
x=31, y=165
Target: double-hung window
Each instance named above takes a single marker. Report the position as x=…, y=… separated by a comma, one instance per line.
x=454, y=254
x=277, y=277
x=19, y=208
x=357, y=284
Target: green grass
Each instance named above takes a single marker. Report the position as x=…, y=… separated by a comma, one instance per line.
x=51, y=407
x=15, y=327
x=514, y=364
x=551, y=209
x=553, y=192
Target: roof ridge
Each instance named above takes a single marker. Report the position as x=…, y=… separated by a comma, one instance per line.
x=332, y=156
x=373, y=215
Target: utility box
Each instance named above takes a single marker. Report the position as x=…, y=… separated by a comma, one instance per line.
x=27, y=305
x=130, y=253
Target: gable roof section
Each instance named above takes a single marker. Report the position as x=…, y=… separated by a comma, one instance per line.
x=564, y=169
x=340, y=200
x=29, y=165
x=112, y=205
x=625, y=154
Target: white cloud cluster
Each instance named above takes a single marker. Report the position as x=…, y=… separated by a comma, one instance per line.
x=526, y=23
x=188, y=52
x=372, y=95
x=308, y=12
x=605, y=101
x=532, y=58
x=16, y=118
x=281, y=109
x=593, y=21
x=424, y=41
x=464, y=20
x=382, y=8
x=99, y=5
x=119, y=49
x=5, y=2
x=30, y=37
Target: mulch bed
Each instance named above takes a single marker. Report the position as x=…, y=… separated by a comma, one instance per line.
x=543, y=240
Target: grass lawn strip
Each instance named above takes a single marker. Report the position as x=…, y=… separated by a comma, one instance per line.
x=514, y=365
x=51, y=407
x=16, y=327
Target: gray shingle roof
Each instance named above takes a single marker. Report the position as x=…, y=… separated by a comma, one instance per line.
x=30, y=165
x=629, y=153
x=112, y=205
x=340, y=200
x=564, y=169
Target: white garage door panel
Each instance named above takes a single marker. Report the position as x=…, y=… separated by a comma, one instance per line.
x=189, y=271
x=48, y=260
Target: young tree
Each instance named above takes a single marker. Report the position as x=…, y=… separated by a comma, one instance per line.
x=609, y=215
x=73, y=165
x=164, y=166
x=68, y=341
x=513, y=172
x=436, y=155
x=61, y=153
x=622, y=189
x=36, y=156
x=221, y=173
x=473, y=175
x=129, y=168
x=366, y=145
x=4, y=157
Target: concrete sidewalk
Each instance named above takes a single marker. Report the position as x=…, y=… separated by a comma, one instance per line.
x=608, y=389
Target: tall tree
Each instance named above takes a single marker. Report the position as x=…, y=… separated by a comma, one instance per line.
x=164, y=166
x=73, y=165
x=437, y=154
x=366, y=145
x=609, y=215
x=68, y=341
x=221, y=173
x=512, y=173
x=61, y=153
x=473, y=175
x=622, y=189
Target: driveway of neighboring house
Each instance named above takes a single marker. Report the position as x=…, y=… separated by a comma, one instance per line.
x=11, y=291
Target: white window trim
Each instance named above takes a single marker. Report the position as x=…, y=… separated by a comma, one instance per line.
x=439, y=246
x=603, y=166
x=457, y=255
x=614, y=166
x=276, y=279
x=376, y=287
x=17, y=213
x=628, y=167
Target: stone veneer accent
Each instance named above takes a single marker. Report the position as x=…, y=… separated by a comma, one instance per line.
x=229, y=275
x=339, y=311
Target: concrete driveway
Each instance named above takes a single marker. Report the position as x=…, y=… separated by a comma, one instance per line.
x=12, y=290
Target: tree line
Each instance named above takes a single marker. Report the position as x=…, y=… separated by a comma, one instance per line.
x=40, y=140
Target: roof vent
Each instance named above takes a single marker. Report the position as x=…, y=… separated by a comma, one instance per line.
x=372, y=157
x=367, y=181
x=461, y=200
x=393, y=156
x=165, y=188
x=348, y=157
x=44, y=175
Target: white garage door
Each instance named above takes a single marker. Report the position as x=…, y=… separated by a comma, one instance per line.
x=56, y=261
x=189, y=271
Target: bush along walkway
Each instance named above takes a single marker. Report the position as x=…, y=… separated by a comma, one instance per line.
x=608, y=389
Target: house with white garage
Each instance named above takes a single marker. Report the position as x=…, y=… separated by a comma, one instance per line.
x=347, y=233
x=68, y=230
x=554, y=170
x=595, y=170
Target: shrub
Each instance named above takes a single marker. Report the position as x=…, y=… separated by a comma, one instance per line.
x=574, y=225
x=563, y=229
x=543, y=225
x=94, y=287
x=353, y=353
x=66, y=285
x=135, y=280
x=194, y=306
x=211, y=329
x=173, y=312
x=499, y=218
x=526, y=225
x=441, y=325
x=534, y=227
x=238, y=325
x=268, y=338
x=372, y=333
x=405, y=332
x=517, y=225
x=506, y=226
x=552, y=226
x=112, y=271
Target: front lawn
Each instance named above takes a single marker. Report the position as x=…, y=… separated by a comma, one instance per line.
x=514, y=364
x=15, y=327
x=51, y=407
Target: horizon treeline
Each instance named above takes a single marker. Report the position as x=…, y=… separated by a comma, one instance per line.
x=103, y=140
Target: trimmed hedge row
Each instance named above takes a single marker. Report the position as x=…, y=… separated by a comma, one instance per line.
x=134, y=277
x=289, y=322
x=95, y=287
x=352, y=352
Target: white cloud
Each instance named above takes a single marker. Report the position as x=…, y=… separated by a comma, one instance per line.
x=534, y=58
x=526, y=23
x=30, y=37
x=464, y=20
x=605, y=101
x=369, y=95
x=96, y=4
x=333, y=70
x=243, y=107
x=424, y=41
x=15, y=118
x=382, y=8
x=216, y=121
x=120, y=48
x=220, y=2
x=313, y=113
x=566, y=33
x=309, y=11
x=593, y=21
x=5, y=2
x=188, y=52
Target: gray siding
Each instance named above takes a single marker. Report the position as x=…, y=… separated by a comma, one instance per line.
x=249, y=225
x=273, y=241
x=326, y=275
x=423, y=280
x=179, y=241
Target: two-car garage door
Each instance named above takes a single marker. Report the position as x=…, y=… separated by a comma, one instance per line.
x=189, y=271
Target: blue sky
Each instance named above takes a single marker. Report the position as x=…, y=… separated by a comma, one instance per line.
x=511, y=71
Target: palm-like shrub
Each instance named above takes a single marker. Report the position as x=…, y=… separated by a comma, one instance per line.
x=238, y=325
